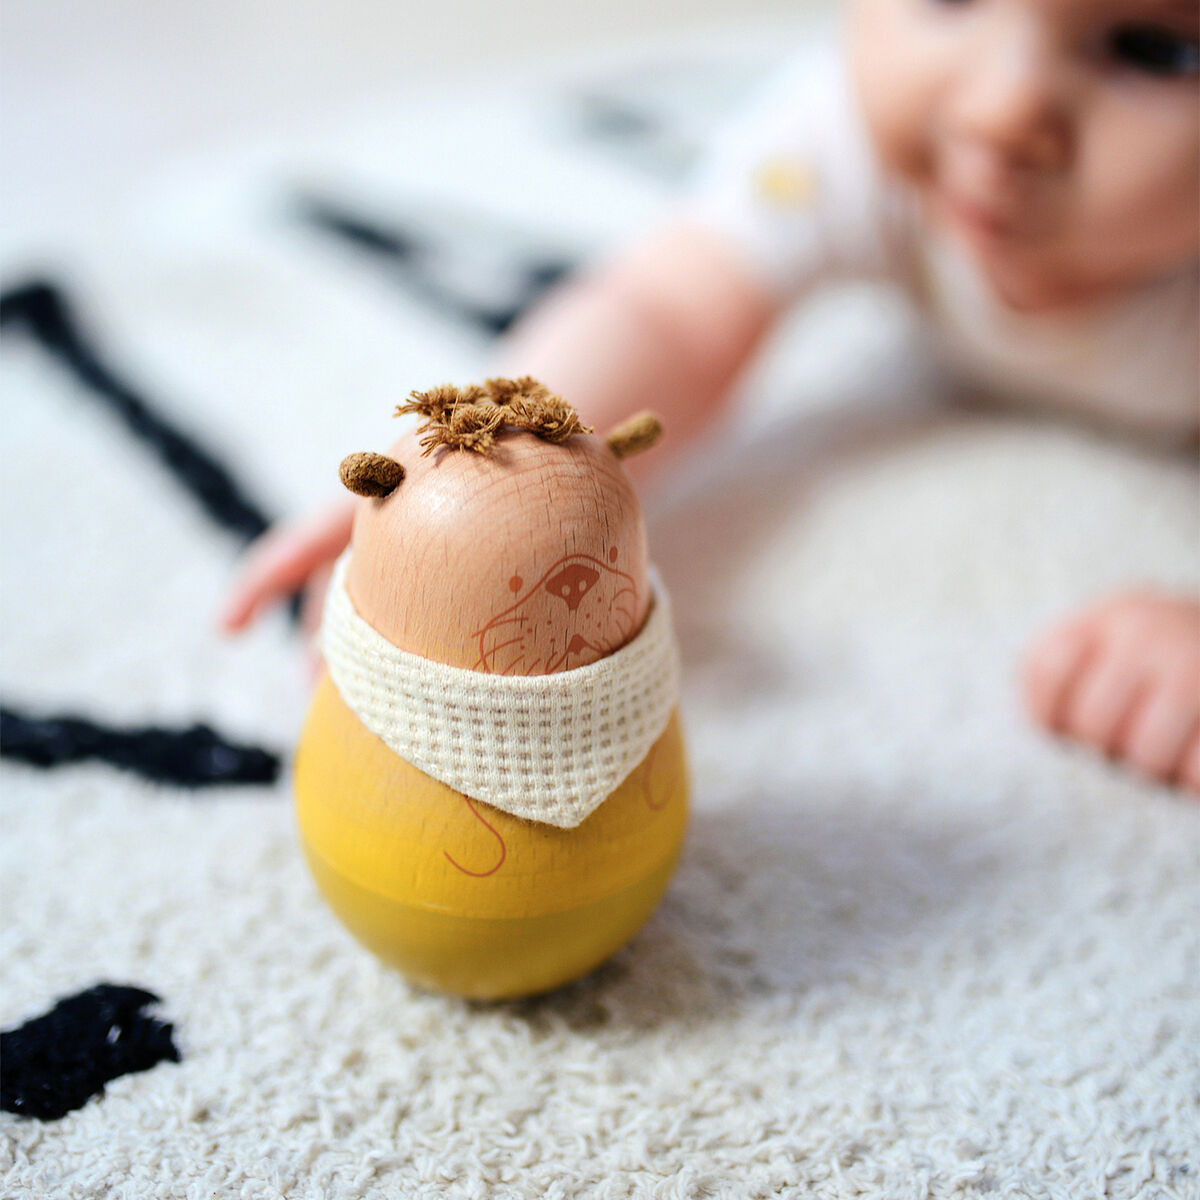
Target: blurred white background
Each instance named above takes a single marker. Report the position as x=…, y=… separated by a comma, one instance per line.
x=95, y=93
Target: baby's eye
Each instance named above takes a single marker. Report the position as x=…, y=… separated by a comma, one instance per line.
x=1154, y=50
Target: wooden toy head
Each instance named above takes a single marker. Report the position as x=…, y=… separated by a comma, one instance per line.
x=510, y=540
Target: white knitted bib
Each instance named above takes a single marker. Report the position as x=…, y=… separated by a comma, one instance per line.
x=549, y=748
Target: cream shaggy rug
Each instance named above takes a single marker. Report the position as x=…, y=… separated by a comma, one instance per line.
x=914, y=948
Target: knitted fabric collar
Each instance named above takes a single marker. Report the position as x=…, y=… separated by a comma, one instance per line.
x=548, y=748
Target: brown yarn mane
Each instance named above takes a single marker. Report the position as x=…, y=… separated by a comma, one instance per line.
x=469, y=418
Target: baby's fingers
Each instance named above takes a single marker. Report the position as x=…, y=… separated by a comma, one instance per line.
x=312, y=605
x=1189, y=770
x=312, y=608
x=282, y=560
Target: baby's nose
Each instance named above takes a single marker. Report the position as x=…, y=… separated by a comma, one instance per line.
x=571, y=584
x=1013, y=101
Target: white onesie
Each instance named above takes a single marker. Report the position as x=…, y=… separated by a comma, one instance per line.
x=794, y=185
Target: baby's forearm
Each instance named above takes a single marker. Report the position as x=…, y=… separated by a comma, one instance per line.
x=667, y=326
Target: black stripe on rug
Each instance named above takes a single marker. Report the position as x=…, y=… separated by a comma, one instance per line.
x=55, y=1063
x=193, y=757
x=413, y=260
x=42, y=310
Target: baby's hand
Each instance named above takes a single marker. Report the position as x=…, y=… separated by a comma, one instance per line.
x=1124, y=676
x=289, y=556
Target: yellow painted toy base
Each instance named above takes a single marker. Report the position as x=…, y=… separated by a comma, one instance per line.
x=491, y=959
x=465, y=898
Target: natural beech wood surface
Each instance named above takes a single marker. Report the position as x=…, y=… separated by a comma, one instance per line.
x=526, y=561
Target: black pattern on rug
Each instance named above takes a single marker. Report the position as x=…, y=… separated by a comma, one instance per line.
x=193, y=757
x=417, y=260
x=55, y=1063
x=42, y=310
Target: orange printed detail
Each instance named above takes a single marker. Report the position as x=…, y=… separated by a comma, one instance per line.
x=647, y=781
x=592, y=594
x=492, y=831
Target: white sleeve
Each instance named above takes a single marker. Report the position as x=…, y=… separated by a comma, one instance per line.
x=791, y=183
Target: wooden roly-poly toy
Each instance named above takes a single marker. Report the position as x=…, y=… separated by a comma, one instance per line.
x=491, y=785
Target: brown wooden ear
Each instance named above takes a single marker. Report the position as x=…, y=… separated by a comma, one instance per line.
x=638, y=433
x=367, y=474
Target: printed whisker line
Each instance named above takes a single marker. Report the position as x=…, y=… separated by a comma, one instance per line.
x=503, y=849
x=501, y=645
x=521, y=620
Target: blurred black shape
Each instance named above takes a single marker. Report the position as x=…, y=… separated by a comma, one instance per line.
x=418, y=262
x=55, y=1063
x=194, y=757
x=42, y=310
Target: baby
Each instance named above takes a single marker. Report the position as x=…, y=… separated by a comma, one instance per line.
x=1028, y=171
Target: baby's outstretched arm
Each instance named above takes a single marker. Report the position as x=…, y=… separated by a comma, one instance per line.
x=667, y=325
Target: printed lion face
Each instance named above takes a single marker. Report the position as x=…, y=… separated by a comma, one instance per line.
x=565, y=619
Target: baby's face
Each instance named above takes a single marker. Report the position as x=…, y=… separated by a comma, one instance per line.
x=1057, y=139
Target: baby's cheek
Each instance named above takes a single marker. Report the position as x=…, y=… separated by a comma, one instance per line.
x=1138, y=180
x=895, y=90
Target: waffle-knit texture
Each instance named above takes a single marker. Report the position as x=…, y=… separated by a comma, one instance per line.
x=548, y=748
